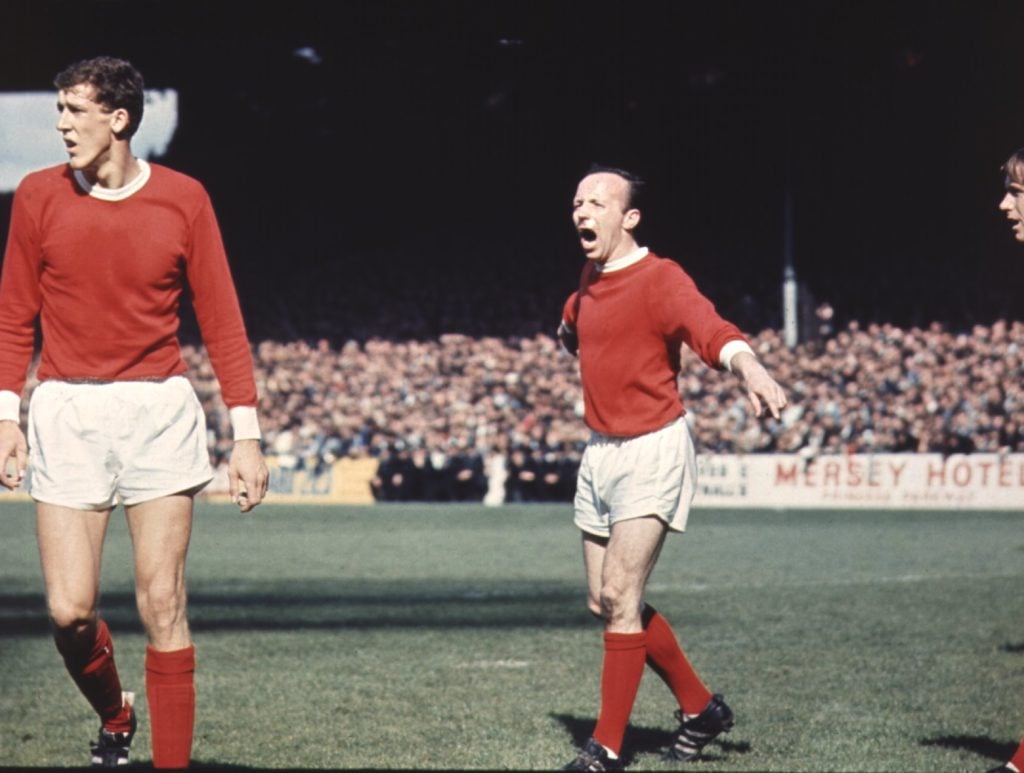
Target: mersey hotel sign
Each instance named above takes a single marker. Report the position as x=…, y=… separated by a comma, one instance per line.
x=926, y=481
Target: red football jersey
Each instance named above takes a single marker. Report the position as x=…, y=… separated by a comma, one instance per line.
x=105, y=275
x=631, y=324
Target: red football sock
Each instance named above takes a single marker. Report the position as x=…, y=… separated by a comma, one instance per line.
x=1018, y=757
x=624, y=655
x=171, y=692
x=669, y=662
x=89, y=658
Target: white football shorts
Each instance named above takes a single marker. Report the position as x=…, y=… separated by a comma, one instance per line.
x=92, y=444
x=623, y=478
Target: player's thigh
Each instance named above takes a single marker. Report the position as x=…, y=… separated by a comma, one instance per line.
x=71, y=552
x=594, y=549
x=160, y=531
x=632, y=552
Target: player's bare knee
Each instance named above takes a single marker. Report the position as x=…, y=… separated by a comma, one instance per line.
x=620, y=605
x=594, y=607
x=161, y=610
x=69, y=619
x=611, y=603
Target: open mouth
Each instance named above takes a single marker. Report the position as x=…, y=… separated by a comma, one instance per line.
x=587, y=234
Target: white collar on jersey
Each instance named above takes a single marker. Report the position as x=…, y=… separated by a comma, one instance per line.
x=624, y=262
x=115, y=194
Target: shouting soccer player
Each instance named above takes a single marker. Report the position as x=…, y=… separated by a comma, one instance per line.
x=99, y=250
x=626, y=323
x=1013, y=205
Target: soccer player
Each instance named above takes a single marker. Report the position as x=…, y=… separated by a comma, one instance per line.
x=1013, y=205
x=100, y=250
x=626, y=323
x=1013, y=202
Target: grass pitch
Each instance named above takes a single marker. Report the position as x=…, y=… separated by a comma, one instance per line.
x=441, y=637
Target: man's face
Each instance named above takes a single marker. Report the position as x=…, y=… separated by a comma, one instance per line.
x=87, y=127
x=604, y=225
x=1013, y=205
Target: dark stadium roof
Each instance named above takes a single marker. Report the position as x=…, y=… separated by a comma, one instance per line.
x=420, y=129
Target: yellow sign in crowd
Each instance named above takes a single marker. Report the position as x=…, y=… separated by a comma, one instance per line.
x=346, y=481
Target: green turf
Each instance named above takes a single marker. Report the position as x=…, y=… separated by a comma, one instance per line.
x=456, y=637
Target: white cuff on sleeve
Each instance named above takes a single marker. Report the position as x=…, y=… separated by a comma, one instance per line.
x=730, y=350
x=245, y=424
x=10, y=406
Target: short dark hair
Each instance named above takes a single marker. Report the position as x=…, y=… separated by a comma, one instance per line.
x=636, y=183
x=1014, y=168
x=117, y=83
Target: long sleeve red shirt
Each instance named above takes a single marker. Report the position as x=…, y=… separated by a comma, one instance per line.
x=104, y=277
x=631, y=324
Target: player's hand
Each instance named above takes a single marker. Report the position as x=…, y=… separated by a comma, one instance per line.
x=13, y=454
x=762, y=390
x=568, y=338
x=247, y=475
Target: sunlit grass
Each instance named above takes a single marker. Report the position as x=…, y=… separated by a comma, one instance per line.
x=456, y=637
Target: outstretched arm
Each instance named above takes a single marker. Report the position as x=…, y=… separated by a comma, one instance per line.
x=762, y=390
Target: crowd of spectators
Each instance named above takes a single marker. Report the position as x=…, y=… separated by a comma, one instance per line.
x=478, y=418
x=453, y=419
x=500, y=419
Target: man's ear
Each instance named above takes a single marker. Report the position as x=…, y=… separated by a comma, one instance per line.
x=120, y=120
x=631, y=219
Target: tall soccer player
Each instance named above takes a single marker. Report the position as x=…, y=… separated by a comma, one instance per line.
x=99, y=251
x=626, y=323
x=1013, y=205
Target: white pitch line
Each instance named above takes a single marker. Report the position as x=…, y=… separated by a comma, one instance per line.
x=496, y=664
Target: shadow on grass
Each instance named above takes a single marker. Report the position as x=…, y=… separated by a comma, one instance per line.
x=1013, y=648
x=319, y=606
x=979, y=744
x=644, y=740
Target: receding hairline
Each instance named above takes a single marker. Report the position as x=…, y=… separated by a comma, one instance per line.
x=631, y=183
x=624, y=180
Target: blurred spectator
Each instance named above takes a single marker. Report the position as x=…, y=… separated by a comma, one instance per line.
x=522, y=484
